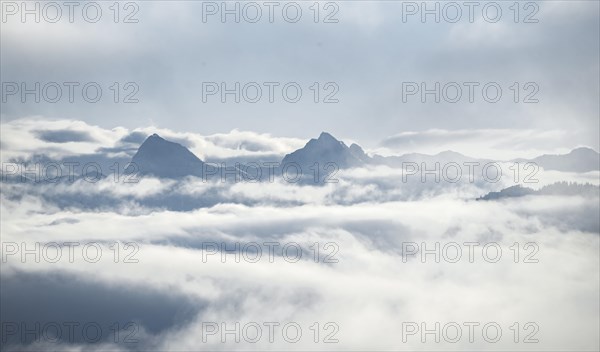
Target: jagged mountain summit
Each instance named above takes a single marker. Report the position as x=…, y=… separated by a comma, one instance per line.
x=327, y=149
x=159, y=157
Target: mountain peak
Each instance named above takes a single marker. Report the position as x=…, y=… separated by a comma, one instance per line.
x=449, y=153
x=356, y=147
x=162, y=158
x=153, y=139
x=580, y=159
x=326, y=136
x=326, y=140
x=327, y=149
x=583, y=150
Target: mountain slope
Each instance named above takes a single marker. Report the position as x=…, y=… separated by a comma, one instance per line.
x=554, y=189
x=578, y=160
x=327, y=149
x=161, y=158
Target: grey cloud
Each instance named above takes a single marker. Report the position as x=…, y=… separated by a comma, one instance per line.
x=30, y=298
x=64, y=136
x=370, y=276
x=135, y=138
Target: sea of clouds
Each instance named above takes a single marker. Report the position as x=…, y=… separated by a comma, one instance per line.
x=343, y=256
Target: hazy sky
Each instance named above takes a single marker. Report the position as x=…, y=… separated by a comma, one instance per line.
x=176, y=46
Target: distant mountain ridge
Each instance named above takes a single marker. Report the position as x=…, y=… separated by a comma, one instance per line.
x=577, y=160
x=166, y=159
x=443, y=157
x=556, y=189
x=162, y=158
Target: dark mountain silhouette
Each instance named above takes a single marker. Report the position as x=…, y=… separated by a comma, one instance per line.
x=510, y=192
x=577, y=160
x=556, y=189
x=161, y=158
x=327, y=149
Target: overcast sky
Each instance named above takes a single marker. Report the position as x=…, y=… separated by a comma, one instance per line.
x=367, y=54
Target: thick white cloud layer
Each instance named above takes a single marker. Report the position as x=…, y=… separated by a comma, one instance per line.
x=369, y=292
